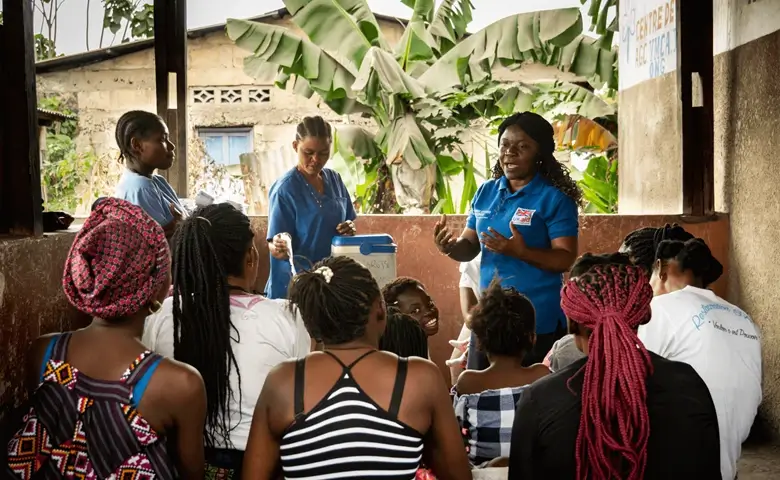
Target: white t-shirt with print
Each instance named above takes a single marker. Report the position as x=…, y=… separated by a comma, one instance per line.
x=720, y=342
x=269, y=334
x=469, y=275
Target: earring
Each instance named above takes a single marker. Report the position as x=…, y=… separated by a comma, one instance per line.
x=154, y=307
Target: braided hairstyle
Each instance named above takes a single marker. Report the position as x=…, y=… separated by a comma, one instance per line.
x=404, y=336
x=693, y=255
x=641, y=244
x=335, y=309
x=209, y=247
x=394, y=289
x=313, y=127
x=504, y=321
x=611, y=301
x=135, y=124
x=547, y=165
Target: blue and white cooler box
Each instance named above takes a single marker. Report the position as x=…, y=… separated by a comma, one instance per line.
x=376, y=252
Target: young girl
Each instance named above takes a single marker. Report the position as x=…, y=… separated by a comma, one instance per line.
x=410, y=297
x=144, y=145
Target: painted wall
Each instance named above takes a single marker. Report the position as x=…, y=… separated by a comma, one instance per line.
x=747, y=108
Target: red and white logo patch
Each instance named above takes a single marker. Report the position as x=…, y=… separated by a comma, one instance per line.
x=523, y=217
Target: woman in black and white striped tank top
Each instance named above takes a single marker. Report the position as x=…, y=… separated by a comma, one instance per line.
x=351, y=411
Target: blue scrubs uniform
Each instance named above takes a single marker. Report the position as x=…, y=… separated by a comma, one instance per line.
x=541, y=214
x=309, y=217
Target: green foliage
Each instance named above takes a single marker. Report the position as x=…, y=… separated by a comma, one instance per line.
x=427, y=93
x=599, y=184
x=63, y=169
x=131, y=15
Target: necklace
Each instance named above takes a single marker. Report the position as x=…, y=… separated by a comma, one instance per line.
x=314, y=194
x=240, y=289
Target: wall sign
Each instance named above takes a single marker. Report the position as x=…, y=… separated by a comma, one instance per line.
x=648, y=40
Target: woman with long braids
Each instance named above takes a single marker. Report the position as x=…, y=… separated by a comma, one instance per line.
x=525, y=222
x=641, y=244
x=621, y=412
x=351, y=411
x=307, y=207
x=215, y=323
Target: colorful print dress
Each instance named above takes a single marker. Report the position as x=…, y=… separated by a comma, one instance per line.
x=87, y=429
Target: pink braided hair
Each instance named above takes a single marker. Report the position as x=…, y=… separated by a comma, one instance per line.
x=611, y=301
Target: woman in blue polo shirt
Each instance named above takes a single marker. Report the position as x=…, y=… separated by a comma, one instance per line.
x=310, y=203
x=525, y=223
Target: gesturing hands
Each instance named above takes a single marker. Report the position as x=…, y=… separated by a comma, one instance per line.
x=443, y=236
x=513, y=246
x=279, y=248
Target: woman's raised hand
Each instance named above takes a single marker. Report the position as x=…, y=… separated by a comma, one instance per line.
x=346, y=228
x=442, y=236
x=278, y=247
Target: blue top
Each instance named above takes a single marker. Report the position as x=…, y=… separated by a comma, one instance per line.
x=295, y=207
x=138, y=389
x=541, y=213
x=153, y=194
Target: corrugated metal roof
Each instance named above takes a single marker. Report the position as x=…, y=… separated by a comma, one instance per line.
x=67, y=62
x=52, y=115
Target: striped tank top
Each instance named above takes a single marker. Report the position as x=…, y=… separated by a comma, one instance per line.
x=347, y=435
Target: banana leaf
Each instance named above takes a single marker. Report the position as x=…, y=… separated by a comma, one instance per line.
x=416, y=44
x=450, y=23
x=294, y=55
x=381, y=74
x=343, y=28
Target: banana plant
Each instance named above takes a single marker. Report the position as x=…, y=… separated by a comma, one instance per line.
x=423, y=92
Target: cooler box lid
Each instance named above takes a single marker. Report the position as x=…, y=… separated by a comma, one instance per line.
x=368, y=244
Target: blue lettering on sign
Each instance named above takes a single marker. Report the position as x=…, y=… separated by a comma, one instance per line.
x=659, y=49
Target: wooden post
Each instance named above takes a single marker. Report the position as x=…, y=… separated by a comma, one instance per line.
x=170, y=52
x=20, y=163
x=695, y=85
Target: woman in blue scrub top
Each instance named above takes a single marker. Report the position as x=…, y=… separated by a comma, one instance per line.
x=310, y=203
x=525, y=222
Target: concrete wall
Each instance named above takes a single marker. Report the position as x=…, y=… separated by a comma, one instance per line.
x=32, y=302
x=747, y=107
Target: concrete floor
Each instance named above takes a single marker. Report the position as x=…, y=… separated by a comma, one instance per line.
x=760, y=462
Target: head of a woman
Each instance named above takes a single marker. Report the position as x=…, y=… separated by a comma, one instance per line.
x=680, y=264
x=119, y=267
x=410, y=297
x=339, y=302
x=144, y=143
x=313, y=139
x=605, y=305
x=212, y=250
x=403, y=335
x=526, y=144
x=503, y=322
x=641, y=244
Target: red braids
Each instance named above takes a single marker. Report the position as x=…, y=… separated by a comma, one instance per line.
x=611, y=301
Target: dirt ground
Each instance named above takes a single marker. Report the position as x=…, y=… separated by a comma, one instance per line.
x=759, y=463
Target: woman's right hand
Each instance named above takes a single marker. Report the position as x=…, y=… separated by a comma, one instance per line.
x=279, y=248
x=443, y=236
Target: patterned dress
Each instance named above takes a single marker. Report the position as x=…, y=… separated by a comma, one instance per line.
x=87, y=429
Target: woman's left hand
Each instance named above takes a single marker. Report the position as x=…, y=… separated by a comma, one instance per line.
x=513, y=246
x=346, y=228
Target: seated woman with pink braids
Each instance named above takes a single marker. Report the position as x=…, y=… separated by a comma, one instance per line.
x=620, y=412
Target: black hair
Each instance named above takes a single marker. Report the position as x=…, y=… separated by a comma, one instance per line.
x=641, y=244
x=334, y=299
x=589, y=260
x=394, y=289
x=208, y=247
x=504, y=321
x=404, y=336
x=313, y=127
x=138, y=124
x=693, y=255
x=547, y=165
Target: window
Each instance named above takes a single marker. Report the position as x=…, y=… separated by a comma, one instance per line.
x=225, y=145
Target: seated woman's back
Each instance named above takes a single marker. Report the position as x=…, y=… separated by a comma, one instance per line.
x=503, y=324
x=103, y=404
x=215, y=323
x=621, y=412
x=351, y=411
